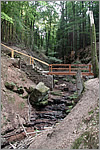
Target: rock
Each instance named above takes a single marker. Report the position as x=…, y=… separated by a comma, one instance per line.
x=66, y=89
x=39, y=95
x=4, y=142
x=73, y=81
x=19, y=90
x=42, y=88
x=9, y=86
x=29, y=91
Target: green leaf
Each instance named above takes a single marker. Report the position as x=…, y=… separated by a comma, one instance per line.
x=6, y=17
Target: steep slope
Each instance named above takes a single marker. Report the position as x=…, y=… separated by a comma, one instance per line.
x=12, y=103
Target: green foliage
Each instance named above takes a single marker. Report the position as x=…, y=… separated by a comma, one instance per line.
x=90, y=112
x=6, y=17
x=55, y=27
x=4, y=117
x=55, y=81
x=54, y=60
x=87, y=140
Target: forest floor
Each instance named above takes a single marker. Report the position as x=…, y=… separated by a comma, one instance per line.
x=81, y=124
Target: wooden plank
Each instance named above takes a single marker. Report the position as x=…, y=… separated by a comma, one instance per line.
x=60, y=68
x=69, y=73
x=62, y=73
x=60, y=64
x=79, y=68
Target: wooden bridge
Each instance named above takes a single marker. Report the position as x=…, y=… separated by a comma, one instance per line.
x=58, y=69
x=70, y=69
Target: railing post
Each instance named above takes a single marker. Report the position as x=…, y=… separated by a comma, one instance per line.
x=89, y=68
x=51, y=68
x=69, y=67
x=12, y=54
x=30, y=60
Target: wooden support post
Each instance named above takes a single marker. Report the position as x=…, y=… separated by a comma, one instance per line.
x=51, y=68
x=12, y=54
x=89, y=68
x=30, y=60
x=69, y=67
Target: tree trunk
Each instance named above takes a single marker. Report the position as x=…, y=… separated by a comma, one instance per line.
x=94, y=52
x=83, y=26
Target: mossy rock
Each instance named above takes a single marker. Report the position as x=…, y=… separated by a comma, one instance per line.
x=9, y=86
x=39, y=95
x=20, y=90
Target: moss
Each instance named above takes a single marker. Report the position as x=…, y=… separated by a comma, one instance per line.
x=57, y=93
x=44, y=102
x=9, y=86
x=73, y=96
x=55, y=81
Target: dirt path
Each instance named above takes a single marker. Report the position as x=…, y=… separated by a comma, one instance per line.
x=65, y=133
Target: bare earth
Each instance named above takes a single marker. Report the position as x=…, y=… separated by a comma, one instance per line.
x=65, y=133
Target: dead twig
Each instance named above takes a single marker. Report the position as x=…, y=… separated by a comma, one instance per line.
x=14, y=147
x=22, y=125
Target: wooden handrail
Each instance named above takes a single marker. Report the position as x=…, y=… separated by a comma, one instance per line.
x=31, y=58
x=68, y=67
x=59, y=69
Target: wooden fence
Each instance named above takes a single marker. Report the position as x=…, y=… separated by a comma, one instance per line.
x=69, y=69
